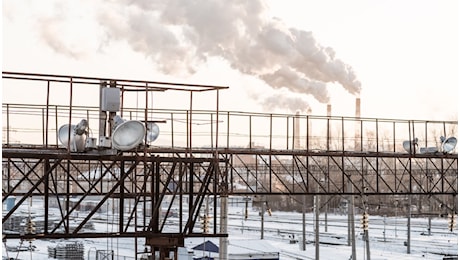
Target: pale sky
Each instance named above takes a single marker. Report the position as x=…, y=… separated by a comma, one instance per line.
x=400, y=57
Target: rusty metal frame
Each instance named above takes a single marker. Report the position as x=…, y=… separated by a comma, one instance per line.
x=54, y=178
x=150, y=177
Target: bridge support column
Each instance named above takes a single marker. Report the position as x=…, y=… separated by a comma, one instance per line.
x=223, y=241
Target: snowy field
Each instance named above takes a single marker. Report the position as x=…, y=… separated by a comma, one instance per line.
x=387, y=236
x=283, y=232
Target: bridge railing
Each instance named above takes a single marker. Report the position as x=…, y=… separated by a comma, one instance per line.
x=189, y=116
x=38, y=125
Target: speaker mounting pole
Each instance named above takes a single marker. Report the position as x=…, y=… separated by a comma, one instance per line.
x=102, y=114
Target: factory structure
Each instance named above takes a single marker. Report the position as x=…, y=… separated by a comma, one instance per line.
x=162, y=176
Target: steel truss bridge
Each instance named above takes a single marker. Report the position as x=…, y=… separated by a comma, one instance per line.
x=201, y=158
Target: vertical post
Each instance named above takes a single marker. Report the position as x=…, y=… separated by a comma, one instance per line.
x=112, y=114
x=317, y=227
x=56, y=124
x=46, y=198
x=368, y=249
x=156, y=195
x=190, y=197
x=172, y=130
x=102, y=114
x=271, y=131
x=262, y=218
x=67, y=198
x=384, y=228
x=212, y=132
x=304, y=238
x=47, y=113
x=122, y=100
x=294, y=134
x=270, y=157
x=408, y=224
x=250, y=131
x=136, y=223
x=146, y=112
x=307, y=163
x=308, y=133
x=287, y=132
x=296, y=131
x=70, y=114
x=325, y=212
x=122, y=198
x=396, y=218
x=181, y=194
x=429, y=221
x=8, y=124
x=327, y=134
x=394, y=136
x=189, y=137
x=223, y=241
x=228, y=129
x=206, y=216
x=351, y=221
x=377, y=157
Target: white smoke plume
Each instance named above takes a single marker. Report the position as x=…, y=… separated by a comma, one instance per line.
x=282, y=99
x=179, y=35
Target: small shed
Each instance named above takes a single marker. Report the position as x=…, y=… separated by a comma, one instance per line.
x=206, y=251
x=207, y=246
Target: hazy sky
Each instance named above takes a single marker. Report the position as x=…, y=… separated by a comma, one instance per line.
x=400, y=57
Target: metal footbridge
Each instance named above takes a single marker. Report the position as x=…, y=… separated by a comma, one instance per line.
x=200, y=158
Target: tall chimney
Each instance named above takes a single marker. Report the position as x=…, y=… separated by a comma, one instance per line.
x=358, y=125
x=358, y=107
x=297, y=130
x=329, y=109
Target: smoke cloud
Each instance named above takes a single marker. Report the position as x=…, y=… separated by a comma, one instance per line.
x=180, y=35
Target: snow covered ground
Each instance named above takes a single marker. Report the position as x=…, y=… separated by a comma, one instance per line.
x=283, y=231
x=334, y=242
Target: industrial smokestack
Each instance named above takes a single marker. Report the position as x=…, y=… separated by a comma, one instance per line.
x=297, y=130
x=329, y=110
x=358, y=125
x=358, y=107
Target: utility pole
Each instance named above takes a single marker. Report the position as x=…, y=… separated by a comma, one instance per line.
x=408, y=225
x=384, y=228
x=304, y=238
x=325, y=212
x=365, y=222
x=351, y=222
x=262, y=219
x=365, y=226
x=223, y=241
x=317, y=227
x=429, y=225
